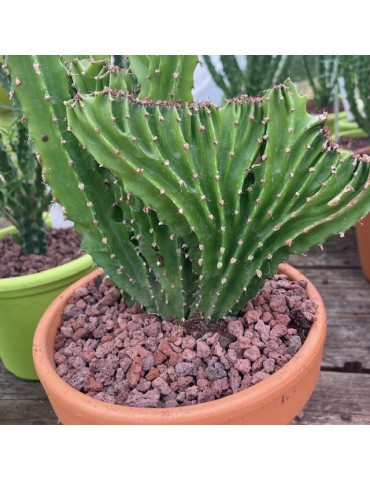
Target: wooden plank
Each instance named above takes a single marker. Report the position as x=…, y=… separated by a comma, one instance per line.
x=347, y=341
x=23, y=402
x=343, y=291
x=337, y=253
x=346, y=294
x=27, y=412
x=339, y=399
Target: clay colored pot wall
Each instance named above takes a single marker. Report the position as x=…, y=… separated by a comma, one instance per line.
x=275, y=400
x=363, y=243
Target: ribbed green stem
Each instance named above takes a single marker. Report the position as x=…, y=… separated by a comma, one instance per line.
x=188, y=207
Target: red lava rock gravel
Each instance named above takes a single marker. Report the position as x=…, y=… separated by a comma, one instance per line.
x=128, y=357
x=64, y=246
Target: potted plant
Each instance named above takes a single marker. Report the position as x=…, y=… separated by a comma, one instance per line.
x=24, y=201
x=322, y=73
x=189, y=208
x=248, y=73
x=356, y=70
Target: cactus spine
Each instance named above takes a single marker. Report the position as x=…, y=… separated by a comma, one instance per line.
x=259, y=73
x=188, y=207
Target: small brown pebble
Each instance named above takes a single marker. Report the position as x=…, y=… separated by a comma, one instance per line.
x=347, y=417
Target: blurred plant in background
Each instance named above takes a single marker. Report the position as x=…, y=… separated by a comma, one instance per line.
x=24, y=198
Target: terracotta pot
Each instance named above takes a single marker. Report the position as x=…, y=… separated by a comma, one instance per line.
x=275, y=400
x=363, y=244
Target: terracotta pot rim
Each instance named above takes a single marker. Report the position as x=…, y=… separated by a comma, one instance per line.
x=297, y=366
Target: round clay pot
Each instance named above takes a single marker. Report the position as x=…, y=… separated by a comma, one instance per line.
x=23, y=300
x=363, y=243
x=275, y=400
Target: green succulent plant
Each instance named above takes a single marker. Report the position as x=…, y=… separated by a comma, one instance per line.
x=356, y=74
x=187, y=206
x=259, y=73
x=322, y=72
x=24, y=198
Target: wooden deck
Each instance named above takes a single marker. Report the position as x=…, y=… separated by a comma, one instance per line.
x=342, y=395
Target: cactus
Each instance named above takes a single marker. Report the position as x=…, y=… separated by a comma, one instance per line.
x=188, y=207
x=259, y=73
x=23, y=196
x=322, y=73
x=356, y=74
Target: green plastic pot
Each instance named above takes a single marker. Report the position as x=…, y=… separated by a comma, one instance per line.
x=23, y=300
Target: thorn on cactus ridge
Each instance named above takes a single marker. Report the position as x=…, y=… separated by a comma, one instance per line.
x=36, y=67
x=18, y=81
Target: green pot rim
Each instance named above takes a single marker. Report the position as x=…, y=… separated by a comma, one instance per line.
x=49, y=276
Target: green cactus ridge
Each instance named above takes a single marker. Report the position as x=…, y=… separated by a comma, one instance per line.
x=189, y=207
x=274, y=216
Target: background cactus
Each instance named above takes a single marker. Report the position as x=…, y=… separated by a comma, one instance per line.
x=356, y=74
x=24, y=198
x=188, y=207
x=259, y=73
x=322, y=73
